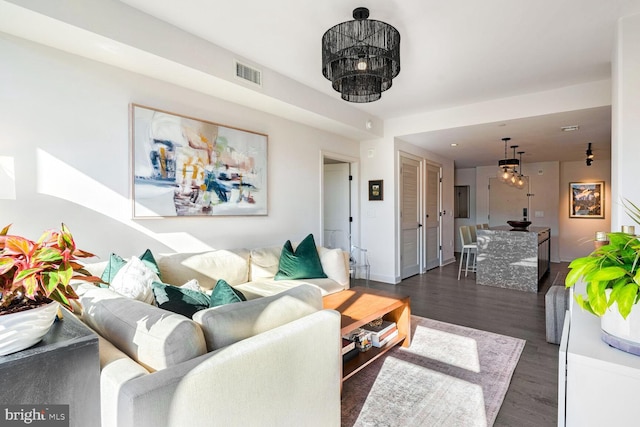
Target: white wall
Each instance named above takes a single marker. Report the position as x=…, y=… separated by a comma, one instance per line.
x=543, y=184
x=576, y=239
x=65, y=124
x=625, y=144
x=465, y=177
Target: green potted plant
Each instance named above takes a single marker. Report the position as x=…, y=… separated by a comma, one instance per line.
x=34, y=277
x=611, y=275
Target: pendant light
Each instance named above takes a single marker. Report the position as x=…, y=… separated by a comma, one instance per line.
x=506, y=165
x=521, y=179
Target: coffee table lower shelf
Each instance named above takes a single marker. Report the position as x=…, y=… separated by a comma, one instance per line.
x=359, y=306
x=358, y=362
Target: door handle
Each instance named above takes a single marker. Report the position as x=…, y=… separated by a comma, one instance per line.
x=419, y=225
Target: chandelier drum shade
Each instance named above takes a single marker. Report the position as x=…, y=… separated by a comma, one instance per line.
x=361, y=57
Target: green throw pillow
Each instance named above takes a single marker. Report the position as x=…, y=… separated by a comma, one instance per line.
x=179, y=300
x=224, y=293
x=303, y=263
x=116, y=262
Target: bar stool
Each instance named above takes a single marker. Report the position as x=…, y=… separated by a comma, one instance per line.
x=469, y=248
x=474, y=234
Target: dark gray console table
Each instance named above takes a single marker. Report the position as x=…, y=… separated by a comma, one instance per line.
x=62, y=369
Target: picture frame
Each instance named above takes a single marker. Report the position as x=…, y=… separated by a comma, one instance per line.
x=376, y=189
x=187, y=167
x=586, y=199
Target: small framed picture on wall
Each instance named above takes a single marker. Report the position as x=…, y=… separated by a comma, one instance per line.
x=586, y=199
x=376, y=189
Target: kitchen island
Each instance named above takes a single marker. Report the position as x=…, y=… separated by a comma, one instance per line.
x=514, y=259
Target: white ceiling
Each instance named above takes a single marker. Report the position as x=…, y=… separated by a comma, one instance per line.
x=452, y=53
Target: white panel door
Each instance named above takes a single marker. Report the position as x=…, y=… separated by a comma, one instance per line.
x=432, y=220
x=409, y=217
x=336, y=206
x=506, y=202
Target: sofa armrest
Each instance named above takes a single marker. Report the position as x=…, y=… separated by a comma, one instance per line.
x=289, y=375
x=116, y=368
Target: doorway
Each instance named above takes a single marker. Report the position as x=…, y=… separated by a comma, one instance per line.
x=339, y=201
x=410, y=217
x=337, y=206
x=432, y=217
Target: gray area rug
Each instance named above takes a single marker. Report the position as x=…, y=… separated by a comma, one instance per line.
x=449, y=376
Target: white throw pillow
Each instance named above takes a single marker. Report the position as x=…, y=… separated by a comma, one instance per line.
x=334, y=265
x=134, y=280
x=192, y=285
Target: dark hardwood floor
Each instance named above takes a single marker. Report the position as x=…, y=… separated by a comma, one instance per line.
x=532, y=399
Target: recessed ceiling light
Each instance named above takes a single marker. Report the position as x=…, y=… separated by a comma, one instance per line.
x=453, y=144
x=569, y=128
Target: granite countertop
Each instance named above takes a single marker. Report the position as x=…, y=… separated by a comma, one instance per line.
x=530, y=229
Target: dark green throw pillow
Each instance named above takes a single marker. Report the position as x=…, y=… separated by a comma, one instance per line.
x=224, y=293
x=303, y=263
x=116, y=262
x=179, y=300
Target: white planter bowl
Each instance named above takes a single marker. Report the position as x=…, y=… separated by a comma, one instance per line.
x=26, y=328
x=619, y=332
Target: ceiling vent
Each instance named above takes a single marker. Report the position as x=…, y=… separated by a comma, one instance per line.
x=249, y=74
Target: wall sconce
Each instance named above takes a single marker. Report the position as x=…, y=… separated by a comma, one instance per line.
x=589, y=155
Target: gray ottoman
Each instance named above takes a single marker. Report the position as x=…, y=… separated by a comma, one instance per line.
x=556, y=303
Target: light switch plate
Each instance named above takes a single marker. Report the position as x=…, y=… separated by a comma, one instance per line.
x=539, y=214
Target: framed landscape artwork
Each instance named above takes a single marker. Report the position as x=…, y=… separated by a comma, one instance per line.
x=376, y=189
x=586, y=199
x=189, y=167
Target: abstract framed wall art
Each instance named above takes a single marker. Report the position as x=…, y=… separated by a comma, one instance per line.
x=586, y=199
x=184, y=166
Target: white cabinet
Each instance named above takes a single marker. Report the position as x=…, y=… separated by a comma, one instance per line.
x=598, y=385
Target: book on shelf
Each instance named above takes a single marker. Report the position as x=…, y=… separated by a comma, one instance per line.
x=380, y=341
x=347, y=346
x=382, y=334
x=350, y=354
x=381, y=329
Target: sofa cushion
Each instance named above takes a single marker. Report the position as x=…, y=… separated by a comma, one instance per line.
x=179, y=299
x=153, y=337
x=116, y=262
x=134, y=280
x=224, y=294
x=264, y=262
x=301, y=263
x=227, y=324
x=266, y=287
x=206, y=267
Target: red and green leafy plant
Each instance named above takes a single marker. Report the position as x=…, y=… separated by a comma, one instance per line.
x=33, y=273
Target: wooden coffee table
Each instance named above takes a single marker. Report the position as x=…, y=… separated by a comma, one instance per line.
x=359, y=306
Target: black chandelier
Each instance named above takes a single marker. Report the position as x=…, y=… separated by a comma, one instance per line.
x=511, y=163
x=361, y=57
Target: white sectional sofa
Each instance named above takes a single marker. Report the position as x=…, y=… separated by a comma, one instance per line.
x=272, y=360
x=251, y=271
